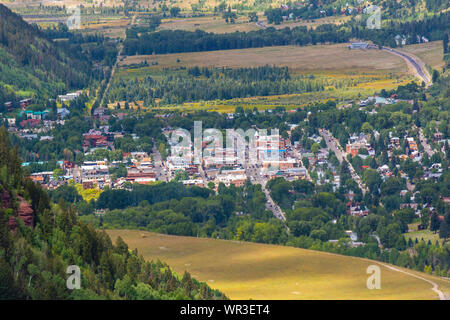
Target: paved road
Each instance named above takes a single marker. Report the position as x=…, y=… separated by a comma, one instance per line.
x=261, y=24
x=415, y=62
x=334, y=145
x=160, y=170
x=203, y=175
x=255, y=177
x=425, y=144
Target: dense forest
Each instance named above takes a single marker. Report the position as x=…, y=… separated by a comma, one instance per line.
x=195, y=84
x=173, y=41
x=39, y=240
x=191, y=211
x=96, y=47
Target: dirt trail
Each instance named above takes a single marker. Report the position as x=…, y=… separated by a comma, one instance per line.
x=113, y=71
x=435, y=288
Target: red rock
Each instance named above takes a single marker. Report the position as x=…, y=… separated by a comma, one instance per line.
x=12, y=223
x=26, y=213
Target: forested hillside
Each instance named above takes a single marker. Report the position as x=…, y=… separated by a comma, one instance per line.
x=39, y=240
x=31, y=64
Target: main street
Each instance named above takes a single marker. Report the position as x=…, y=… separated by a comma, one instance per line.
x=425, y=144
x=253, y=173
x=160, y=171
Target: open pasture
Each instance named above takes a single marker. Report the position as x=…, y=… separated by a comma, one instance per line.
x=248, y=270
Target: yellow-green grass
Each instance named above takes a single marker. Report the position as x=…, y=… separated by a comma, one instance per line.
x=134, y=105
x=88, y=194
x=355, y=73
x=208, y=5
x=422, y=234
x=106, y=22
x=185, y=5
x=288, y=101
x=430, y=53
x=367, y=87
x=110, y=26
x=258, y=271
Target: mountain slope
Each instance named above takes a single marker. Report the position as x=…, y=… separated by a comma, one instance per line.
x=31, y=64
x=38, y=241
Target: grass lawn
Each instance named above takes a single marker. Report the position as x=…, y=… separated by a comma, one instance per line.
x=258, y=271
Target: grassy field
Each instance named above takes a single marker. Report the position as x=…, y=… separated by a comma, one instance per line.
x=431, y=53
x=336, y=57
x=354, y=73
x=258, y=271
x=217, y=24
x=214, y=24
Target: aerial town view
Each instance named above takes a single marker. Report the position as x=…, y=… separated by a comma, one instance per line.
x=224, y=150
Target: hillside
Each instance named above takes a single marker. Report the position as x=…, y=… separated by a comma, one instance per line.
x=39, y=241
x=31, y=64
x=245, y=270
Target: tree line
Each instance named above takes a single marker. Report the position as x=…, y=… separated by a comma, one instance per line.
x=175, y=41
x=195, y=84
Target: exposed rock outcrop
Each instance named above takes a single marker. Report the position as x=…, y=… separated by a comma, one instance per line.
x=26, y=213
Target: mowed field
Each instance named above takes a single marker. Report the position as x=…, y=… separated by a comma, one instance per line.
x=336, y=58
x=431, y=53
x=248, y=270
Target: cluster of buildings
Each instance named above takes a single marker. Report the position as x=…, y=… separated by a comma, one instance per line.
x=69, y=96
x=269, y=155
x=27, y=121
x=358, y=142
x=97, y=174
x=377, y=100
